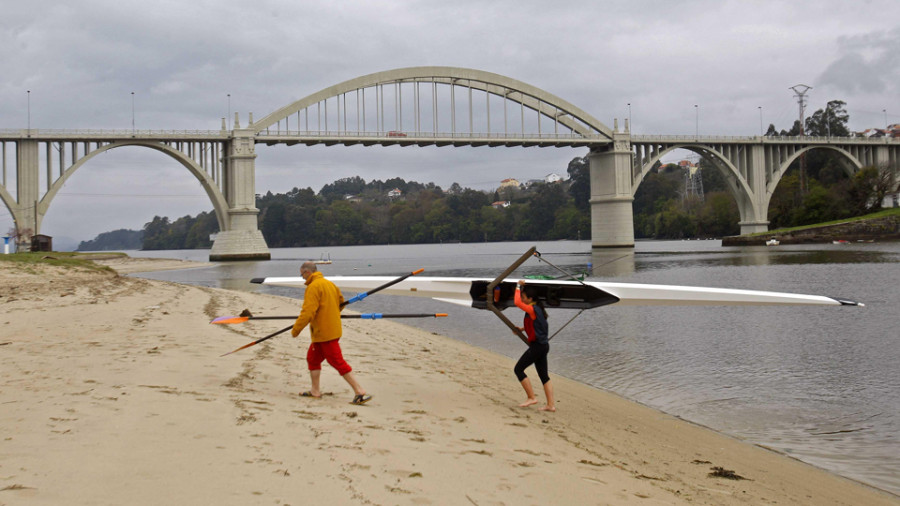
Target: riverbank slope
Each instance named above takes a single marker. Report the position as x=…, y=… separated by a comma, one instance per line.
x=884, y=226
x=114, y=392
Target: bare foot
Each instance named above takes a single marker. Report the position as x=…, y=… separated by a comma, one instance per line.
x=529, y=402
x=551, y=409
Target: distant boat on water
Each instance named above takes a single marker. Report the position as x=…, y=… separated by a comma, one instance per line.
x=773, y=242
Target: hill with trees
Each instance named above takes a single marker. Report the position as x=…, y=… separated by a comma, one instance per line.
x=117, y=240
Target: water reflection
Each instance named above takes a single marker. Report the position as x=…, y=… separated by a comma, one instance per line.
x=612, y=262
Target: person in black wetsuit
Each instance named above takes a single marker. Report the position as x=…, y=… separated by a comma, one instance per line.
x=537, y=329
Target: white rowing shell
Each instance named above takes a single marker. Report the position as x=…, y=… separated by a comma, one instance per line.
x=457, y=291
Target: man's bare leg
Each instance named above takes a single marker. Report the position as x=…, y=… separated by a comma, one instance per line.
x=314, y=379
x=351, y=379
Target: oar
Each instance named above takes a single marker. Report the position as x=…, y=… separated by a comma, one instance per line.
x=364, y=316
x=361, y=296
x=377, y=316
x=261, y=339
x=358, y=297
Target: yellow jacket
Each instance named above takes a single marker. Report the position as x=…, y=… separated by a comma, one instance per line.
x=321, y=310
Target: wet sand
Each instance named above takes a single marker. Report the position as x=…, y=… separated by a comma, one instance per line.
x=113, y=391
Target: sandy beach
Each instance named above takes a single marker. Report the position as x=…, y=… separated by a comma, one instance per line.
x=113, y=391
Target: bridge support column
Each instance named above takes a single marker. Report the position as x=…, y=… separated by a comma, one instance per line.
x=612, y=216
x=241, y=239
x=754, y=207
x=27, y=191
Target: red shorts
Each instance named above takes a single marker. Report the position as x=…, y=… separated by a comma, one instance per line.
x=330, y=351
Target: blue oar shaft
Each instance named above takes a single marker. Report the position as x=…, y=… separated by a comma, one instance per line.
x=360, y=296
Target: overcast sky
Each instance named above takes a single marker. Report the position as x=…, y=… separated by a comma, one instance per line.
x=82, y=60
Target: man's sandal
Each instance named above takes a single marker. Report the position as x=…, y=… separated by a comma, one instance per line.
x=361, y=399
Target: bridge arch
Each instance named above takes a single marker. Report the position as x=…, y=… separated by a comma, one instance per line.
x=737, y=184
x=212, y=191
x=850, y=164
x=544, y=103
x=11, y=205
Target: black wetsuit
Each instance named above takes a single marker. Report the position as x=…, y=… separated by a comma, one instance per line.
x=537, y=330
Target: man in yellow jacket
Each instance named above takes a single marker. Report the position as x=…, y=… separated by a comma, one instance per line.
x=322, y=304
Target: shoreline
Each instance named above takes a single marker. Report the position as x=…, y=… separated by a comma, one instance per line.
x=104, y=408
x=885, y=228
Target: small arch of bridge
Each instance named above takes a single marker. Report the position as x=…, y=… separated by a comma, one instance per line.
x=209, y=186
x=200, y=155
x=737, y=185
x=9, y=202
x=848, y=162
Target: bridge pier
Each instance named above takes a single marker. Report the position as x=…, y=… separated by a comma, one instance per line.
x=612, y=216
x=241, y=239
x=27, y=191
x=754, y=206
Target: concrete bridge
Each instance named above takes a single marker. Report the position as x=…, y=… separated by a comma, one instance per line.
x=420, y=106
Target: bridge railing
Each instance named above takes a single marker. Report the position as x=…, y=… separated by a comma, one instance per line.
x=93, y=133
x=398, y=135
x=712, y=139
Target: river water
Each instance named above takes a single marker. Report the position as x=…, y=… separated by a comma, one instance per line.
x=821, y=384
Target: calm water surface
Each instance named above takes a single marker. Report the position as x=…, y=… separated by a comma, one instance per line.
x=821, y=384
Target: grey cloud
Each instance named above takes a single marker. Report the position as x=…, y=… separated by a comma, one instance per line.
x=868, y=64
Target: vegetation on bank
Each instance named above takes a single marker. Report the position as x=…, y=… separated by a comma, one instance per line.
x=352, y=211
x=85, y=261
x=872, y=216
x=121, y=239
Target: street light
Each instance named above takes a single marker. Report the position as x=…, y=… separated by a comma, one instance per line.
x=229, y=109
x=760, y=122
x=697, y=111
x=629, y=117
x=132, y=113
x=29, y=112
x=884, y=111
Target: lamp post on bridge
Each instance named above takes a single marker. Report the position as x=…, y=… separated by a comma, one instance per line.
x=697, y=114
x=228, y=118
x=28, y=92
x=884, y=111
x=760, y=122
x=630, y=126
x=132, y=114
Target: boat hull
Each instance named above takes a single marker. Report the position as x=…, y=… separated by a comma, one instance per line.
x=568, y=294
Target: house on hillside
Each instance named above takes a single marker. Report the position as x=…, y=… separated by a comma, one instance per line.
x=500, y=204
x=394, y=193
x=553, y=178
x=509, y=182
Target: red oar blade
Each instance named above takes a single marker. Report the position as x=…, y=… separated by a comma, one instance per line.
x=231, y=319
x=273, y=334
x=239, y=349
